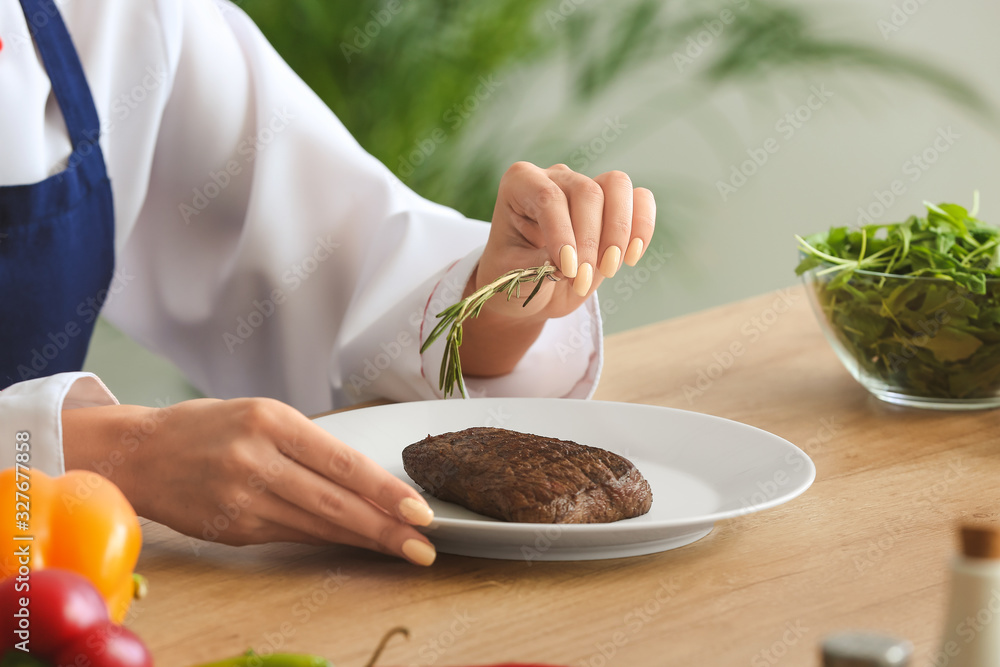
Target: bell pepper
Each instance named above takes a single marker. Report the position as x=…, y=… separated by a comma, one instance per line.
x=79, y=521
x=57, y=617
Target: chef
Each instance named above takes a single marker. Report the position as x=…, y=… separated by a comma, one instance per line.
x=161, y=165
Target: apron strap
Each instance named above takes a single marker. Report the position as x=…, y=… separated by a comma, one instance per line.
x=61, y=255
x=65, y=70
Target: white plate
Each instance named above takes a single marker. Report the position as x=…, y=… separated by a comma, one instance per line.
x=701, y=469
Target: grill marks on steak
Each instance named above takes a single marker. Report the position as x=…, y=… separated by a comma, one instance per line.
x=527, y=478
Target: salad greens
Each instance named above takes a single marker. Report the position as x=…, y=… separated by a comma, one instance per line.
x=915, y=304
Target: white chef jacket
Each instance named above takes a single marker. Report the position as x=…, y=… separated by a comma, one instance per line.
x=258, y=246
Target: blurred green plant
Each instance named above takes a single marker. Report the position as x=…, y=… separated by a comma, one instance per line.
x=408, y=79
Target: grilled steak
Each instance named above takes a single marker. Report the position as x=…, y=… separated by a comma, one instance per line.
x=527, y=478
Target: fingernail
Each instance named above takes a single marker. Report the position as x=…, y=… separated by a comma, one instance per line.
x=584, y=279
x=416, y=512
x=634, y=252
x=567, y=261
x=419, y=552
x=609, y=265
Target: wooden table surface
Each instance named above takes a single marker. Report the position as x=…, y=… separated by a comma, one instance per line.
x=867, y=546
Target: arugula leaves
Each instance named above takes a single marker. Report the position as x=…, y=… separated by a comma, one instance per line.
x=914, y=305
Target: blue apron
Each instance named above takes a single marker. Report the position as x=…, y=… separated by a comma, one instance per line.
x=56, y=237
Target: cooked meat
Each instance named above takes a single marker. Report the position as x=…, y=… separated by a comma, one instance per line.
x=527, y=478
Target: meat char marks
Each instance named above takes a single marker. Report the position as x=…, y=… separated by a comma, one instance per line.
x=527, y=478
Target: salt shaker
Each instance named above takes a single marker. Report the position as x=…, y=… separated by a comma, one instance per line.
x=865, y=649
x=971, y=635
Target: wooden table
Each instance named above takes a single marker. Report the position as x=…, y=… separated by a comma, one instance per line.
x=865, y=547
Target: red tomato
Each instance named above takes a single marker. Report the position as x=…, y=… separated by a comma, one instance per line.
x=62, y=605
x=108, y=645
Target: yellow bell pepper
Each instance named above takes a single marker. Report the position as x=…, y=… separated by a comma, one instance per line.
x=79, y=522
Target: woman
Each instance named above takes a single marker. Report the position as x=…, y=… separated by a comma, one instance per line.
x=163, y=166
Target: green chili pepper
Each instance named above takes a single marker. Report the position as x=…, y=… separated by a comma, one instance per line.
x=252, y=659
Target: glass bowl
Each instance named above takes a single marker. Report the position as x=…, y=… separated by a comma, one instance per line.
x=915, y=341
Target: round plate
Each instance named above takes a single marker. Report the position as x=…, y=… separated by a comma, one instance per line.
x=700, y=468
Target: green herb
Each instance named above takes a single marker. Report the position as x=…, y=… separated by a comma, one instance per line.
x=915, y=304
x=454, y=316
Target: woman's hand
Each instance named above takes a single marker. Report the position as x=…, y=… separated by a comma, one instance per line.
x=586, y=227
x=247, y=471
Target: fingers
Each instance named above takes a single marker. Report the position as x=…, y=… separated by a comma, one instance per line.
x=417, y=551
x=585, y=201
x=275, y=475
x=616, y=227
x=590, y=227
x=319, y=507
x=320, y=535
x=328, y=490
x=643, y=225
x=335, y=461
x=533, y=195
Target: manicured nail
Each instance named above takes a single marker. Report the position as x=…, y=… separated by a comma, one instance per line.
x=567, y=261
x=609, y=265
x=584, y=279
x=419, y=552
x=634, y=252
x=416, y=512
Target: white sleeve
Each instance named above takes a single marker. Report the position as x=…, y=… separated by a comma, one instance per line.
x=36, y=406
x=273, y=256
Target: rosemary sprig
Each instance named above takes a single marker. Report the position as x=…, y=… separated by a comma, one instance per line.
x=454, y=316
